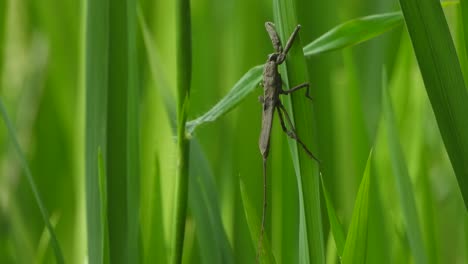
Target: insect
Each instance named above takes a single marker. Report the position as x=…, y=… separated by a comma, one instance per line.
x=272, y=87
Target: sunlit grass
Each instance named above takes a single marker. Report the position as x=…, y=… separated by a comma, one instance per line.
x=405, y=205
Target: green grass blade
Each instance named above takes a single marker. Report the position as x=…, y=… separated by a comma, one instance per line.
x=355, y=249
x=103, y=194
x=122, y=139
x=335, y=225
x=266, y=256
x=214, y=245
x=443, y=79
x=133, y=139
x=354, y=32
x=32, y=183
x=245, y=86
x=184, y=74
x=96, y=71
x=464, y=35
x=202, y=190
x=294, y=72
x=403, y=183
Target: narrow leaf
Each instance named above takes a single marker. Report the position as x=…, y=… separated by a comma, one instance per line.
x=355, y=249
x=203, y=201
x=96, y=70
x=294, y=72
x=403, y=183
x=443, y=79
x=354, y=32
x=241, y=90
x=32, y=184
x=335, y=225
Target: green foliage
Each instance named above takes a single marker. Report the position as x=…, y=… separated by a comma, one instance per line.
x=443, y=79
x=355, y=248
x=137, y=160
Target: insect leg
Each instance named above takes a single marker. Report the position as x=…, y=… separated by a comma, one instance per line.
x=292, y=132
x=300, y=86
x=262, y=229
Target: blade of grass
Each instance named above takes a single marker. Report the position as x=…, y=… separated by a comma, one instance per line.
x=464, y=12
x=184, y=72
x=133, y=139
x=335, y=224
x=103, y=192
x=443, y=79
x=266, y=256
x=356, y=240
x=239, y=91
x=122, y=139
x=202, y=189
x=96, y=71
x=22, y=159
x=403, y=183
x=354, y=32
x=301, y=110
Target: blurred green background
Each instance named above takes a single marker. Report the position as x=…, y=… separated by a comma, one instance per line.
x=42, y=77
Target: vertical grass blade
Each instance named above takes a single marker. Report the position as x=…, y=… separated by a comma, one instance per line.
x=464, y=16
x=443, y=79
x=355, y=249
x=133, y=139
x=294, y=73
x=403, y=184
x=184, y=72
x=120, y=164
x=335, y=225
x=103, y=191
x=96, y=56
x=45, y=215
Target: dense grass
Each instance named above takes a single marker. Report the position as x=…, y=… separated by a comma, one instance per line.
x=134, y=170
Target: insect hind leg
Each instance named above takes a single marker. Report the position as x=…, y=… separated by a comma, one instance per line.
x=292, y=132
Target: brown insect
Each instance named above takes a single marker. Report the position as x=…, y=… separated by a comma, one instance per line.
x=272, y=86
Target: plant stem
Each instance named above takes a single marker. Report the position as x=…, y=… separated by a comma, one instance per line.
x=184, y=71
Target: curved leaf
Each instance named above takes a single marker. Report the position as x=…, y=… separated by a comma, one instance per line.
x=241, y=89
x=354, y=32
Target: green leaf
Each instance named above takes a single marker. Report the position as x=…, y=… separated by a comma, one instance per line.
x=443, y=79
x=121, y=157
x=294, y=72
x=354, y=32
x=335, y=225
x=403, y=183
x=239, y=91
x=355, y=249
x=96, y=71
x=103, y=195
x=266, y=256
x=32, y=184
x=203, y=197
x=203, y=201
